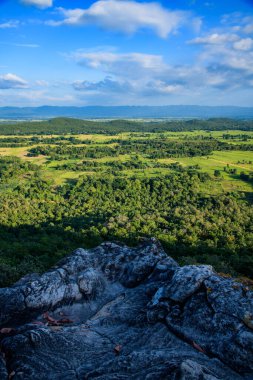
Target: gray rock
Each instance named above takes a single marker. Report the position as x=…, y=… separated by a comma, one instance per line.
x=187, y=280
x=191, y=370
x=115, y=312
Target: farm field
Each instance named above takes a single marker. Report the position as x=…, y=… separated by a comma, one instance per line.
x=242, y=161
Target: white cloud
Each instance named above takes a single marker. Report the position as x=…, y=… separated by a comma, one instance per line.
x=143, y=70
x=238, y=62
x=127, y=16
x=161, y=87
x=238, y=22
x=9, y=24
x=214, y=39
x=133, y=65
x=228, y=54
x=42, y=83
x=244, y=44
x=133, y=74
x=38, y=3
x=31, y=46
x=237, y=55
x=8, y=81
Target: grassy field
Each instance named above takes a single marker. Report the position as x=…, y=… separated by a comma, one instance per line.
x=242, y=161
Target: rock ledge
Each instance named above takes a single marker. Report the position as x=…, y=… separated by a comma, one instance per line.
x=116, y=312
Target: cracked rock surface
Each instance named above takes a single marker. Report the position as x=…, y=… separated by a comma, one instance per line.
x=116, y=312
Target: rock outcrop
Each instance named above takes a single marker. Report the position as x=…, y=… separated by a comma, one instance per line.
x=115, y=312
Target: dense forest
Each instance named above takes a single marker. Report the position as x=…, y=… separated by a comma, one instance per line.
x=125, y=188
x=41, y=222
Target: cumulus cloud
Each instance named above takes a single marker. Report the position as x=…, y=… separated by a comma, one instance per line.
x=38, y=3
x=127, y=16
x=226, y=54
x=8, y=81
x=238, y=43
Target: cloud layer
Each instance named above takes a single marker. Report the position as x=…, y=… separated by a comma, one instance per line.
x=224, y=63
x=134, y=74
x=128, y=64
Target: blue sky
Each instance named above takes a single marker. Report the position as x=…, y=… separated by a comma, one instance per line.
x=124, y=52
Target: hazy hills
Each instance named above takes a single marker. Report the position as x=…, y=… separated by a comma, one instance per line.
x=126, y=112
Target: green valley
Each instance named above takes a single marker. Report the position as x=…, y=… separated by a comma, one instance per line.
x=187, y=183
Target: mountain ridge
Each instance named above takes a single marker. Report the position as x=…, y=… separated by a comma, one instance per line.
x=152, y=112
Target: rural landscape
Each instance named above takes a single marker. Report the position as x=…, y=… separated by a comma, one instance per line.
x=66, y=183
x=126, y=190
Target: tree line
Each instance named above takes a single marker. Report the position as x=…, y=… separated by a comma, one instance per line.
x=76, y=126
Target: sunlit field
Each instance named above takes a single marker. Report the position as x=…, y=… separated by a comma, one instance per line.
x=242, y=161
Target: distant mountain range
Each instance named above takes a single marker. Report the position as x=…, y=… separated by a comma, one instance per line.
x=126, y=112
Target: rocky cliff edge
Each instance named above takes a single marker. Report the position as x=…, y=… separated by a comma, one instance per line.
x=116, y=312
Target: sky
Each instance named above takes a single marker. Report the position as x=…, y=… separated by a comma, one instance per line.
x=126, y=52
